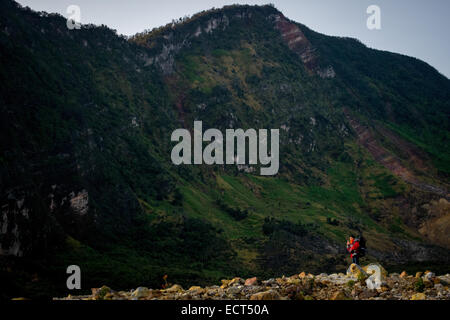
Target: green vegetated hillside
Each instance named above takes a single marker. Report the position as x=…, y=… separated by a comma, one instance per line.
x=86, y=176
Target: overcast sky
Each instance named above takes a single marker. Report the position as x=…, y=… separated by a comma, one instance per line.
x=418, y=28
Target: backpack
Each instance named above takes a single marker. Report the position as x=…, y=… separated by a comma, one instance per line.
x=362, y=246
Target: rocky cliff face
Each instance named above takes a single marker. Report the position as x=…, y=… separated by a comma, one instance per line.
x=171, y=45
x=296, y=41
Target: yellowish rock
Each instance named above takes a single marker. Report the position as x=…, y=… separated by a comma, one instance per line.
x=175, y=288
x=225, y=283
x=383, y=271
x=266, y=295
x=139, y=293
x=193, y=288
x=419, y=296
x=236, y=280
x=354, y=271
x=339, y=295
x=295, y=281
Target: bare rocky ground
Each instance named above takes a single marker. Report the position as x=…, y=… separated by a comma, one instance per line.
x=351, y=286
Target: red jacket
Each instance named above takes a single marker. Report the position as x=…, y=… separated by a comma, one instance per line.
x=353, y=248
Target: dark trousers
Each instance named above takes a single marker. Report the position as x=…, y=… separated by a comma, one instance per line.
x=355, y=260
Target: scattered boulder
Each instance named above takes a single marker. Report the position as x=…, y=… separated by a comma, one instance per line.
x=196, y=290
x=236, y=281
x=266, y=295
x=375, y=268
x=293, y=292
x=293, y=280
x=225, y=283
x=355, y=271
x=340, y=295
x=140, y=292
x=251, y=282
x=234, y=290
x=419, y=296
x=377, y=276
x=100, y=293
x=175, y=288
x=367, y=294
x=429, y=276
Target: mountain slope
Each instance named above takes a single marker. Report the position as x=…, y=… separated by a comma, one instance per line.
x=86, y=176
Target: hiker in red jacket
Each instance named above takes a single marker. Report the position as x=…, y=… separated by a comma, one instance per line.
x=353, y=247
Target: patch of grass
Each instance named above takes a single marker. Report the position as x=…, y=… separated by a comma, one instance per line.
x=384, y=183
x=419, y=286
x=435, y=143
x=191, y=68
